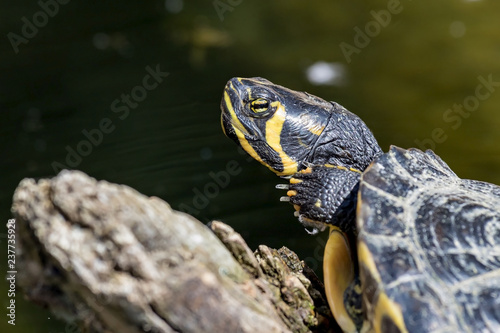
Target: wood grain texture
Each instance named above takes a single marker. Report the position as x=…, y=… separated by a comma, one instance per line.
x=113, y=260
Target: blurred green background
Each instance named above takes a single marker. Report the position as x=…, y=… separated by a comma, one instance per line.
x=401, y=79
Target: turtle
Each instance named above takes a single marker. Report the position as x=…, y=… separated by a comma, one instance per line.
x=411, y=248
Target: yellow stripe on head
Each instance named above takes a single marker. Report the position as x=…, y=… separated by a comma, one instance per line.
x=240, y=130
x=274, y=126
x=236, y=123
x=273, y=130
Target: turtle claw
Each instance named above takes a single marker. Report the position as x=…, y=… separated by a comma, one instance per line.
x=312, y=231
x=285, y=199
x=282, y=186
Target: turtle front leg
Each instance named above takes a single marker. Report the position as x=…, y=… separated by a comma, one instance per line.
x=327, y=196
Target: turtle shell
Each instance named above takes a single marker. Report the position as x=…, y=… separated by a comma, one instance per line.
x=428, y=246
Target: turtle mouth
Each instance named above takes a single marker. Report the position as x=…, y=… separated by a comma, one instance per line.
x=231, y=101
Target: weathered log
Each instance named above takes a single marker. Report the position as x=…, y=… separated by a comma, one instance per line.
x=113, y=260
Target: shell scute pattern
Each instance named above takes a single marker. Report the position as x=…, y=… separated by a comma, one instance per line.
x=395, y=260
x=390, y=178
x=374, y=222
x=424, y=168
x=423, y=313
x=481, y=188
x=481, y=306
x=450, y=279
x=457, y=233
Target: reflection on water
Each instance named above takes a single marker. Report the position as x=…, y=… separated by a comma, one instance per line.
x=407, y=67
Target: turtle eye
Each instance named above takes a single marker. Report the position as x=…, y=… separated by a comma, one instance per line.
x=259, y=105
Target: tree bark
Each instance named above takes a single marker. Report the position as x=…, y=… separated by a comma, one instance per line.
x=110, y=259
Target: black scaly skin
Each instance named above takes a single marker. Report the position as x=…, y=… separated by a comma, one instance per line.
x=347, y=146
x=353, y=297
x=328, y=195
x=343, y=151
x=346, y=141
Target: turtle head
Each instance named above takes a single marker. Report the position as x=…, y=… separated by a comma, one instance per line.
x=285, y=130
x=275, y=125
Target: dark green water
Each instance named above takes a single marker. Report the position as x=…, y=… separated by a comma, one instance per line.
x=406, y=75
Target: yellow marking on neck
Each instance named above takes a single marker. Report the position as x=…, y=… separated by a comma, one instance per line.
x=240, y=131
x=316, y=130
x=306, y=170
x=342, y=168
x=274, y=126
x=339, y=274
x=355, y=170
x=336, y=166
